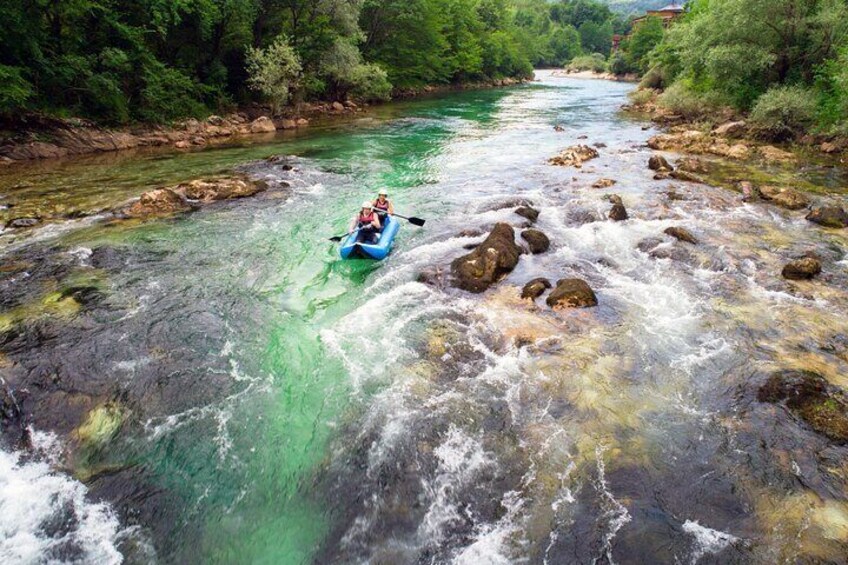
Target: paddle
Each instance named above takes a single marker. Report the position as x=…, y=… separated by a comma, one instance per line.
x=338, y=238
x=413, y=220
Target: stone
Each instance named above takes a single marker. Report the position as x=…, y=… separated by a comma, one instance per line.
x=536, y=240
x=784, y=197
x=693, y=165
x=288, y=124
x=773, y=154
x=433, y=275
x=659, y=163
x=574, y=156
x=493, y=259
x=811, y=398
x=603, y=183
x=829, y=148
x=182, y=144
x=685, y=176
x=527, y=212
x=263, y=124
x=802, y=269
x=572, y=293
x=618, y=213
x=216, y=120
x=302, y=122
x=223, y=188
x=535, y=288
x=338, y=107
x=158, y=202
x=681, y=234
x=731, y=129
x=558, y=128
x=101, y=425
x=19, y=223
x=829, y=217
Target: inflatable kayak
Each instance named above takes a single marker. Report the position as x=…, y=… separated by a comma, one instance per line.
x=353, y=249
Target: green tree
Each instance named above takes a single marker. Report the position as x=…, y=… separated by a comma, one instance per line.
x=274, y=71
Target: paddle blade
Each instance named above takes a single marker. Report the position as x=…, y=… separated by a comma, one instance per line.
x=337, y=238
x=416, y=221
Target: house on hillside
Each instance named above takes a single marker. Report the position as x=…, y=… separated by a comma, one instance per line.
x=667, y=14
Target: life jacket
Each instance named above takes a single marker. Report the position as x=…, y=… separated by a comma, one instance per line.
x=383, y=206
x=366, y=220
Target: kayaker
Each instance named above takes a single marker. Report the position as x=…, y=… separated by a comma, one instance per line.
x=383, y=206
x=367, y=222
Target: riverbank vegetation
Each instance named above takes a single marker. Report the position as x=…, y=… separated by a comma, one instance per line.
x=784, y=63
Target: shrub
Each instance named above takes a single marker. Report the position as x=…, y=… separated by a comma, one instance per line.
x=655, y=78
x=618, y=65
x=274, y=71
x=681, y=99
x=370, y=83
x=642, y=96
x=595, y=63
x=168, y=94
x=784, y=112
x=14, y=89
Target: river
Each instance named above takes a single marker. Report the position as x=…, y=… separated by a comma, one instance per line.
x=250, y=398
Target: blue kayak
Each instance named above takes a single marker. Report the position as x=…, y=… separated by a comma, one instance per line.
x=353, y=249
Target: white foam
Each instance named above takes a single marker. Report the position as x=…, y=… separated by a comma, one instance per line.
x=707, y=540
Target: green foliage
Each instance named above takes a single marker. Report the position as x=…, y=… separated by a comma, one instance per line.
x=595, y=63
x=644, y=39
x=682, y=99
x=274, y=71
x=642, y=96
x=15, y=90
x=371, y=83
x=784, y=112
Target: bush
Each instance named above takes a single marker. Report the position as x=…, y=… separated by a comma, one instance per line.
x=642, y=96
x=168, y=94
x=618, y=65
x=595, y=63
x=14, y=89
x=655, y=78
x=371, y=83
x=274, y=71
x=681, y=99
x=784, y=112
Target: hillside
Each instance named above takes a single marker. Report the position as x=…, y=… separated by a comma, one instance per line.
x=635, y=6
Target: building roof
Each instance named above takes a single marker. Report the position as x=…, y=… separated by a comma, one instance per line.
x=673, y=7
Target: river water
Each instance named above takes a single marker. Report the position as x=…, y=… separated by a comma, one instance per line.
x=257, y=400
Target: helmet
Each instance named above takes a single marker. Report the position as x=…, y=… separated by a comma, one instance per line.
x=383, y=193
x=367, y=204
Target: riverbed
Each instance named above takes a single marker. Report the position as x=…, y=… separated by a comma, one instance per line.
x=219, y=387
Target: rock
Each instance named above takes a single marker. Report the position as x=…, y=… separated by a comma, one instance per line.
x=693, y=165
x=685, y=176
x=493, y=259
x=662, y=176
x=535, y=288
x=433, y=276
x=784, y=197
x=773, y=154
x=527, y=212
x=731, y=129
x=829, y=148
x=738, y=151
x=599, y=145
x=101, y=425
x=681, y=234
x=162, y=201
x=263, y=124
x=559, y=128
x=536, y=240
x=288, y=124
x=19, y=223
x=338, y=107
x=572, y=293
x=829, y=217
x=216, y=120
x=574, y=156
x=802, y=269
x=182, y=144
x=618, y=213
x=811, y=398
x=223, y=188
x=603, y=183
x=749, y=191
x=302, y=122
x=659, y=163
x=649, y=244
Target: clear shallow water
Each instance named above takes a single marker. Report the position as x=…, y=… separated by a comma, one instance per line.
x=281, y=406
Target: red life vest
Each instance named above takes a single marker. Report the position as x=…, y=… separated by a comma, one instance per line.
x=384, y=206
x=366, y=220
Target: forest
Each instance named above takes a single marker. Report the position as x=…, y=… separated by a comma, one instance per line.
x=128, y=61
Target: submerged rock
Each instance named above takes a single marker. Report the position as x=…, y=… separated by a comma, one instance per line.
x=572, y=293
x=535, y=288
x=433, y=276
x=574, y=156
x=158, y=202
x=773, y=154
x=527, y=212
x=802, y=269
x=659, y=163
x=19, y=223
x=829, y=217
x=536, y=240
x=223, y=188
x=686, y=176
x=784, y=197
x=693, y=165
x=682, y=234
x=603, y=183
x=493, y=259
x=101, y=425
x=811, y=398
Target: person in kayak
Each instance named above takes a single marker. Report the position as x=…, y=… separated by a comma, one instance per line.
x=383, y=206
x=368, y=224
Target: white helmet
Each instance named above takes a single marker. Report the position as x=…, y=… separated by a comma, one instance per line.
x=367, y=204
x=383, y=193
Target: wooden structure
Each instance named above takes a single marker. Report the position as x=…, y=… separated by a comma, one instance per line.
x=667, y=14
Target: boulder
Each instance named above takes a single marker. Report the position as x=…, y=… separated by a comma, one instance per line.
x=731, y=129
x=288, y=124
x=802, y=269
x=829, y=217
x=773, y=154
x=659, y=163
x=784, y=197
x=182, y=144
x=338, y=107
x=618, y=213
x=574, y=156
x=223, y=188
x=572, y=293
x=493, y=259
x=535, y=288
x=811, y=398
x=527, y=212
x=18, y=223
x=603, y=183
x=830, y=148
x=536, y=240
x=263, y=124
x=685, y=176
x=302, y=122
x=158, y=202
x=693, y=165
x=682, y=234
